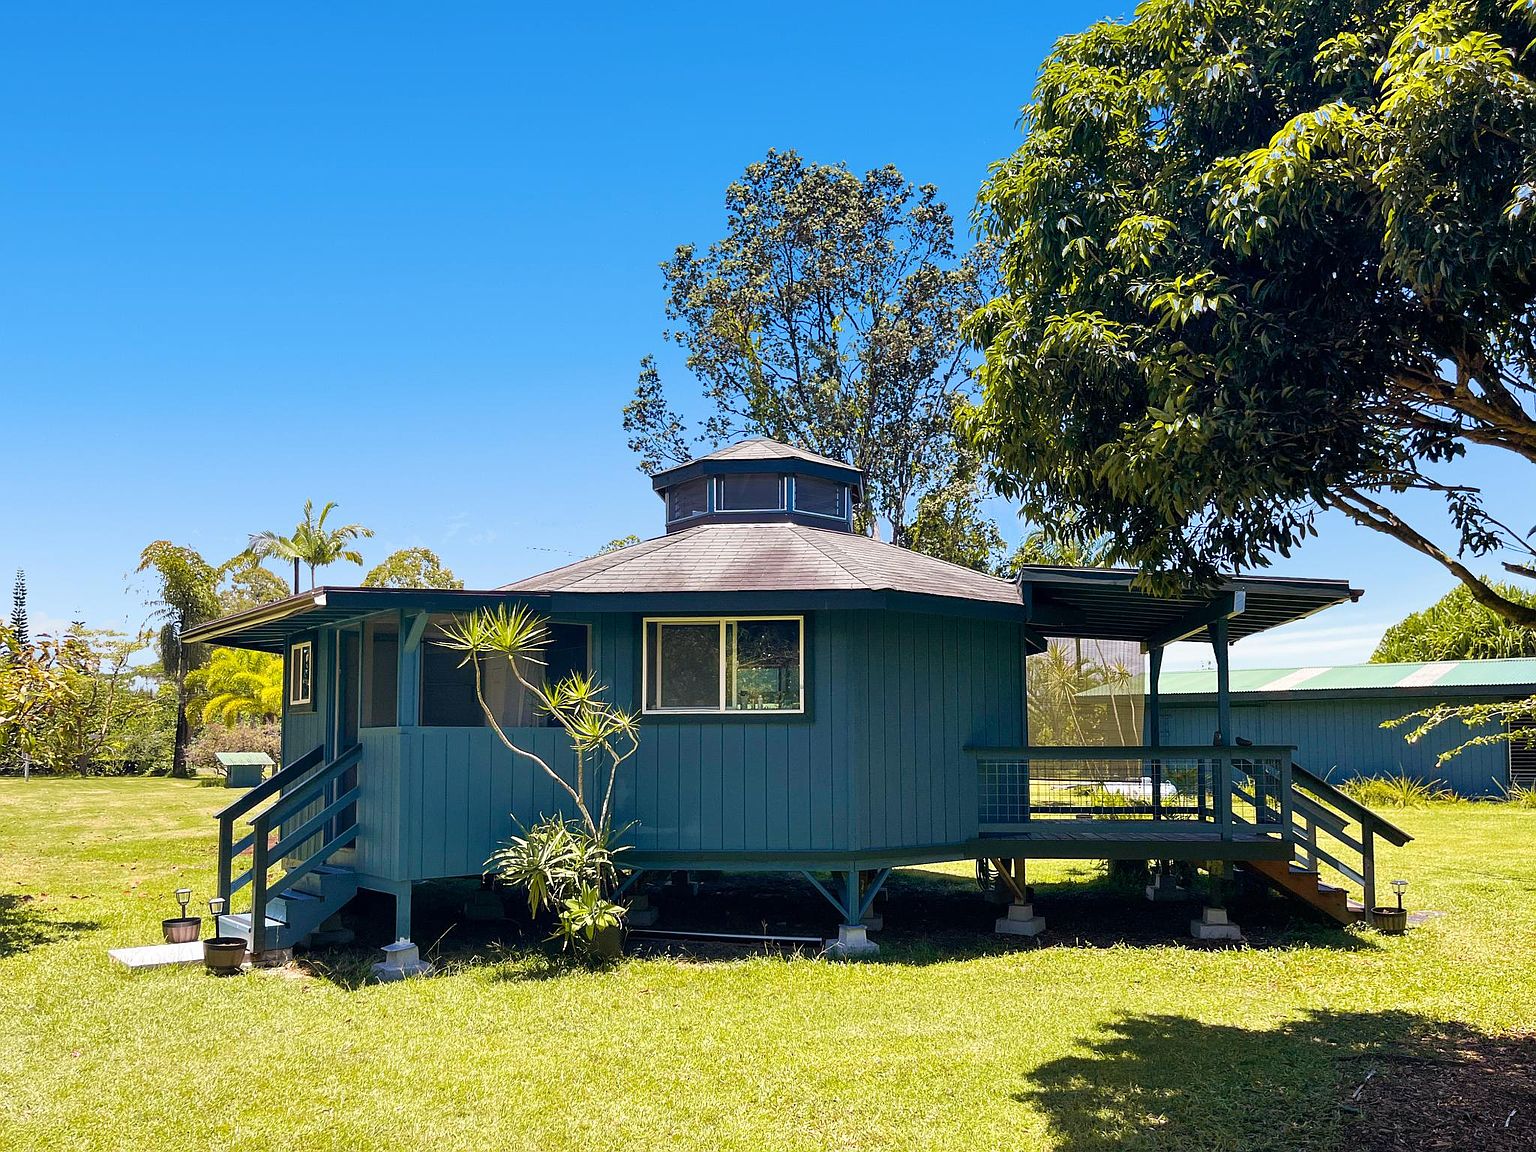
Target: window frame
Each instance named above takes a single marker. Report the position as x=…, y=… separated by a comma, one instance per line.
x=722, y=622
x=719, y=504
x=709, y=499
x=307, y=701
x=844, y=499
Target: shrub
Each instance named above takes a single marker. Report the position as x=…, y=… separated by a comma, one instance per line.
x=1521, y=796
x=213, y=738
x=1400, y=791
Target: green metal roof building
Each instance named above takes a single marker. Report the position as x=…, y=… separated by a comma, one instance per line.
x=1334, y=715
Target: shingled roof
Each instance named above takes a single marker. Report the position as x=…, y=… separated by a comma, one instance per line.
x=769, y=557
x=762, y=448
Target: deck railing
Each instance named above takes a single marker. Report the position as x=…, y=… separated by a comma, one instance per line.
x=1327, y=827
x=308, y=781
x=1228, y=787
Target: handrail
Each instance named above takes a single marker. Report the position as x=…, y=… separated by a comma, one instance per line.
x=274, y=783
x=1134, y=752
x=1325, y=791
x=230, y=812
x=305, y=780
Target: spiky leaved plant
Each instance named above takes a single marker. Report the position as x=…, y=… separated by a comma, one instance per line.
x=565, y=865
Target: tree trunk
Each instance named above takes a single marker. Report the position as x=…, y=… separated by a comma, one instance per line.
x=179, y=748
x=295, y=575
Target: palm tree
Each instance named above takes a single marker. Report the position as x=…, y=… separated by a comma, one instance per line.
x=187, y=598
x=312, y=543
x=239, y=685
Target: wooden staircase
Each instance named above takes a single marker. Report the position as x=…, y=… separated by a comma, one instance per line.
x=1325, y=826
x=301, y=818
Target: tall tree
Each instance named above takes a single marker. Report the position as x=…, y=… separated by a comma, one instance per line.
x=412, y=568
x=236, y=685
x=1263, y=260
x=312, y=544
x=1457, y=627
x=827, y=317
x=244, y=583
x=21, y=630
x=186, y=596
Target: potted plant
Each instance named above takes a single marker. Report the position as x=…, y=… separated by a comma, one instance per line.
x=182, y=929
x=566, y=865
x=1390, y=921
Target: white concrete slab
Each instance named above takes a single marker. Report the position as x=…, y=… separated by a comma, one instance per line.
x=158, y=955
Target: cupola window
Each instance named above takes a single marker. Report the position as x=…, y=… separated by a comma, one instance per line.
x=688, y=499
x=751, y=492
x=820, y=497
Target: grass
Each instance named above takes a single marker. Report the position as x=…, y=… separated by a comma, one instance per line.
x=1397, y=792
x=953, y=1039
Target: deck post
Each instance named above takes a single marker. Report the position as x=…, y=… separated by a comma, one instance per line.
x=1152, y=727
x=403, y=911
x=1368, y=866
x=1222, y=784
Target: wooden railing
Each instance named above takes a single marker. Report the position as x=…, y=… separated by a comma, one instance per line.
x=1327, y=827
x=1227, y=787
x=307, y=780
x=1257, y=788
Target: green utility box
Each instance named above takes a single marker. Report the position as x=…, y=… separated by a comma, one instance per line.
x=244, y=769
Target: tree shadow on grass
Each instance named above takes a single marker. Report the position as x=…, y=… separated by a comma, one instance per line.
x=25, y=924
x=1362, y=1080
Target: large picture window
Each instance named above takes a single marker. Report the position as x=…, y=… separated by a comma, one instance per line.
x=301, y=674
x=725, y=664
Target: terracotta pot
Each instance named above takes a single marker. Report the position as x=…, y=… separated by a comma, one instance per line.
x=223, y=955
x=1390, y=921
x=182, y=929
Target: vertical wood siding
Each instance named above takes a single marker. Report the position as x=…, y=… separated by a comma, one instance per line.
x=876, y=762
x=921, y=688
x=1343, y=738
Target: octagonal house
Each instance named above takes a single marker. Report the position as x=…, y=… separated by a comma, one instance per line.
x=811, y=700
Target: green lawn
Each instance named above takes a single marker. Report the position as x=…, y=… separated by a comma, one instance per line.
x=953, y=1039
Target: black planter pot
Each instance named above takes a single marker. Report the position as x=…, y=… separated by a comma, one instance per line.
x=608, y=943
x=223, y=955
x=182, y=929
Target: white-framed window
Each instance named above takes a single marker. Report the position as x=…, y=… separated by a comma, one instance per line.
x=750, y=492
x=819, y=497
x=725, y=664
x=301, y=673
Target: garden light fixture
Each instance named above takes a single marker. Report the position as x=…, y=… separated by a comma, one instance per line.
x=1399, y=887
x=183, y=897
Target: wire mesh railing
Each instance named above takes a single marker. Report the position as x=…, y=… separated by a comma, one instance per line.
x=1224, y=786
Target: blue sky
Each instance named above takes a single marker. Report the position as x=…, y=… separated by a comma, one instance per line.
x=405, y=257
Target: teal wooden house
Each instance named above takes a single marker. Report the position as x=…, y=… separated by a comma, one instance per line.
x=812, y=701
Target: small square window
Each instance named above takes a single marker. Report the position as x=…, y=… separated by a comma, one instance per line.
x=301, y=673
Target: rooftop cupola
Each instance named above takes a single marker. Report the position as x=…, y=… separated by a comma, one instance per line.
x=760, y=481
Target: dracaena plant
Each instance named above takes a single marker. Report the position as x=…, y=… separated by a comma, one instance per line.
x=566, y=865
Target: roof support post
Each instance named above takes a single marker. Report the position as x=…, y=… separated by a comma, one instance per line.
x=413, y=625
x=1152, y=722
x=1222, y=783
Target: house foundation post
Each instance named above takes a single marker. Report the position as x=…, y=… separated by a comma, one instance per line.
x=853, y=940
x=403, y=911
x=1213, y=923
x=1020, y=919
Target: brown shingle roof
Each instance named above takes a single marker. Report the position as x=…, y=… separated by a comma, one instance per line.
x=768, y=557
x=762, y=448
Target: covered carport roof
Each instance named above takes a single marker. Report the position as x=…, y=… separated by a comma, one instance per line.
x=1106, y=604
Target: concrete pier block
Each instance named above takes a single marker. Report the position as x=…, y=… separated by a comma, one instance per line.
x=641, y=912
x=1164, y=888
x=852, y=943
x=402, y=959
x=1214, y=925
x=1020, y=921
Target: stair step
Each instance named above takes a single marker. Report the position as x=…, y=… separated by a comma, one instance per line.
x=1302, y=870
x=295, y=894
x=1328, y=889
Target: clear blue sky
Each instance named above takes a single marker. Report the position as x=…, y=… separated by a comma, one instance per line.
x=405, y=257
